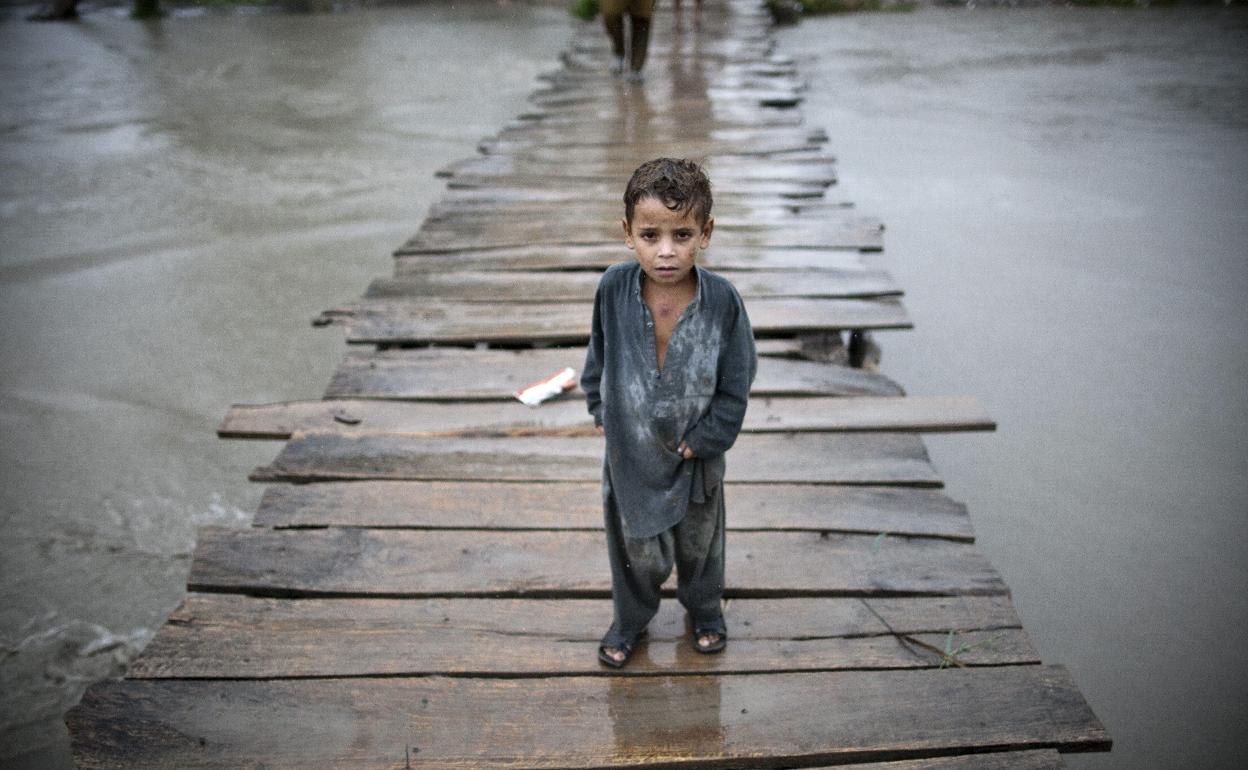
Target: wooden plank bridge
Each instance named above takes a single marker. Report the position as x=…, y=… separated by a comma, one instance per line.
x=426, y=580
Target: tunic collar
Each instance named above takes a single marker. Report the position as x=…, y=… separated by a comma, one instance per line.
x=698, y=271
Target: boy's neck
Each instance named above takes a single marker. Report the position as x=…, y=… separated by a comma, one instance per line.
x=685, y=289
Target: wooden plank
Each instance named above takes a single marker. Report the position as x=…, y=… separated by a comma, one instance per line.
x=844, y=458
x=215, y=636
x=569, y=564
x=507, y=505
x=454, y=374
x=499, y=286
x=777, y=185
x=1043, y=759
x=603, y=255
x=569, y=417
x=505, y=207
x=764, y=720
x=396, y=321
x=446, y=237
x=676, y=138
x=805, y=168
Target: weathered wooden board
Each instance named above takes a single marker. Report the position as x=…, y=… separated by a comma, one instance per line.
x=758, y=720
x=777, y=185
x=678, y=140
x=454, y=374
x=568, y=564
x=603, y=255
x=1045, y=759
x=842, y=458
x=391, y=321
x=569, y=417
x=215, y=636
x=507, y=207
x=500, y=286
x=507, y=505
x=762, y=175
x=442, y=237
x=584, y=148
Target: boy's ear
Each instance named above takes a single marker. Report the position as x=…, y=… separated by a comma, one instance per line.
x=706, y=232
x=628, y=233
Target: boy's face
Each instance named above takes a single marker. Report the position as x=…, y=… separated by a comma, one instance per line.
x=666, y=241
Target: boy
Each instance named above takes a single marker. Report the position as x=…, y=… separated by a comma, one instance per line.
x=667, y=375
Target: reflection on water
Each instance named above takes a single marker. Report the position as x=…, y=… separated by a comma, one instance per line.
x=177, y=200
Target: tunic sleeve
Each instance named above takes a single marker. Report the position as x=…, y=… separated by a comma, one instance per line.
x=591, y=374
x=717, y=429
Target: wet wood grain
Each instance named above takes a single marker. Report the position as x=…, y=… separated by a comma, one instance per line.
x=244, y=637
x=499, y=286
x=449, y=237
x=601, y=256
x=568, y=417
x=568, y=564
x=507, y=505
x=1044, y=759
x=456, y=374
x=845, y=458
x=765, y=720
x=422, y=322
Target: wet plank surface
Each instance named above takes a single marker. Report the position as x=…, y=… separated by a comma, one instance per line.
x=695, y=721
x=445, y=374
x=1045, y=759
x=519, y=505
x=216, y=636
x=394, y=321
x=599, y=256
x=406, y=563
x=847, y=458
x=499, y=286
x=569, y=417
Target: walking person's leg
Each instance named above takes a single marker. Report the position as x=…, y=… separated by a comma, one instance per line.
x=613, y=20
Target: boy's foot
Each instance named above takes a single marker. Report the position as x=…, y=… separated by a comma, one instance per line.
x=709, y=642
x=617, y=66
x=616, y=655
x=635, y=76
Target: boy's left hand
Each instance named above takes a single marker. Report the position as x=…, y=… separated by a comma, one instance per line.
x=685, y=451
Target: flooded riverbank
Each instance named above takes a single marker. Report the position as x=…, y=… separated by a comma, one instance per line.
x=179, y=200
x=1065, y=199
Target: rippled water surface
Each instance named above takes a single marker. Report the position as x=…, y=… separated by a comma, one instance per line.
x=1066, y=204
x=177, y=201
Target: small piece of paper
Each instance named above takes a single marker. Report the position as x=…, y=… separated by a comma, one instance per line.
x=534, y=394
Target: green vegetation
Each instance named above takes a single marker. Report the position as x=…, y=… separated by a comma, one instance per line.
x=585, y=10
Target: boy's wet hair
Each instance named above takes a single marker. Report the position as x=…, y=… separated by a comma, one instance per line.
x=679, y=184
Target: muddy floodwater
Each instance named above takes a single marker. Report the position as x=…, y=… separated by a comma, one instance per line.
x=1066, y=206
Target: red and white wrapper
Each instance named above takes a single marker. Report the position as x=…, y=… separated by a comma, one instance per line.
x=534, y=394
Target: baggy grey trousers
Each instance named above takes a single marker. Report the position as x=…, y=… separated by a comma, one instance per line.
x=695, y=545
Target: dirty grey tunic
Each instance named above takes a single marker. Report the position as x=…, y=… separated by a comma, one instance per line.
x=699, y=396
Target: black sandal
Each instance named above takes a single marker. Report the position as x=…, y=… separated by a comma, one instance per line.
x=625, y=647
x=716, y=646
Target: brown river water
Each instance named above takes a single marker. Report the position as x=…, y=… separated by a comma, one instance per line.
x=1065, y=199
